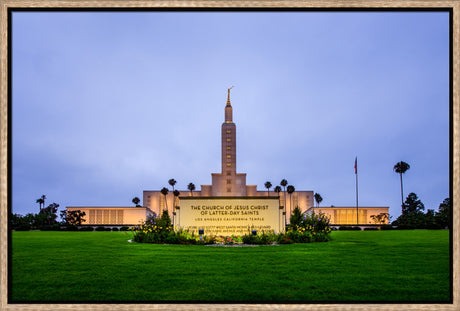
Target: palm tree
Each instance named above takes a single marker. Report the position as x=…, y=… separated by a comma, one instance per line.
x=284, y=183
x=278, y=190
x=318, y=198
x=191, y=187
x=43, y=197
x=400, y=168
x=268, y=185
x=290, y=190
x=176, y=195
x=172, y=182
x=40, y=201
x=136, y=201
x=164, y=191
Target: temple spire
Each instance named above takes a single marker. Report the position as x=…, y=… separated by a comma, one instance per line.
x=228, y=109
x=228, y=96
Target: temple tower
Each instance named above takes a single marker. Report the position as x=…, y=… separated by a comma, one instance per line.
x=228, y=182
x=228, y=141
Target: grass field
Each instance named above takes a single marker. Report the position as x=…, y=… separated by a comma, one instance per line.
x=396, y=266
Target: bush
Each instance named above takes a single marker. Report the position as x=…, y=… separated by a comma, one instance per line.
x=386, y=227
x=312, y=227
x=124, y=228
x=102, y=228
x=371, y=229
x=22, y=228
x=55, y=227
x=71, y=228
x=284, y=239
x=172, y=239
x=350, y=228
x=86, y=228
x=153, y=230
x=260, y=239
x=114, y=229
x=300, y=236
x=320, y=237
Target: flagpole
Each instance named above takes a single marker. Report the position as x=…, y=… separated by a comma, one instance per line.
x=356, y=173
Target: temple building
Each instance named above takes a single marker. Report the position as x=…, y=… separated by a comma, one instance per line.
x=226, y=184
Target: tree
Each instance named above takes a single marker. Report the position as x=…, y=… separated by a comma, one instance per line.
x=191, y=187
x=442, y=216
x=47, y=216
x=164, y=191
x=318, y=198
x=412, y=204
x=40, y=201
x=296, y=218
x=400, y=168
x=136, y=201
x=412, y=216
x=172, y=182
x=283, y=184
x=268, y=185
x=19, y=222
x=176, y=195
x=277, y=189
x=290, y=190
x=381, y=218
x=73, y=218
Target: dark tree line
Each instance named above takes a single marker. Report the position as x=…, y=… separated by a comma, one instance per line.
x=413, y=216
x=43, y=220
x=46, y=218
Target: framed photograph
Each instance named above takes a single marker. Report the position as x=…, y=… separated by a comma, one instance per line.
x=227, y=155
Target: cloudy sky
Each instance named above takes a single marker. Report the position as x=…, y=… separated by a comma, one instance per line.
x=106, y=105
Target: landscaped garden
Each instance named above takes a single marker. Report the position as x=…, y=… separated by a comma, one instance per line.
x=303, y=228
x=353, y=266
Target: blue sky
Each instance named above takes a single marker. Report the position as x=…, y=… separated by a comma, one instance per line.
x=106, y=105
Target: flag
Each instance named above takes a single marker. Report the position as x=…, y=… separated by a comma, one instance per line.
x=356, y=165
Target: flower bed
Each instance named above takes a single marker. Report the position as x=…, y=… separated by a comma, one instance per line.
x=306, y=229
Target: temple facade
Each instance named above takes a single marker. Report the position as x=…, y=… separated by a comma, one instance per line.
x=226, y=184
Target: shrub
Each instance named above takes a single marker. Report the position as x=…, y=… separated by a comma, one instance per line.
x=320, y=237
x=102, y=228
x=371, y=229
x=114, y=229
x=311, y=228
x=228, y=240
x=386, y=227
x=284, y=239
x=300, y=236
x=250, y=239
x=124, y=228
x=86, y=228
x=259, y=239
x=22, y=228
x=350, y=228
x=153, y=230
x=172, y=239
x=54, y=227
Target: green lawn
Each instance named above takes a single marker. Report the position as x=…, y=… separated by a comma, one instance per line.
x=399, y=266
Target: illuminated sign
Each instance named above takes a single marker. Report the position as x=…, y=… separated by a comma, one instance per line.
x=227, y=216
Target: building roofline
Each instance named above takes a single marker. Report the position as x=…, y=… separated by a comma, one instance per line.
x=348, y=207
x=231, y=197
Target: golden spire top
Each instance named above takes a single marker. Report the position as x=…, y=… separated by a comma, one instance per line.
x=228, y=96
